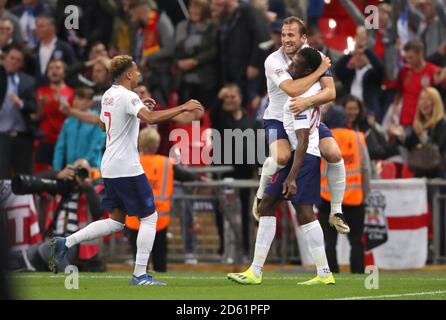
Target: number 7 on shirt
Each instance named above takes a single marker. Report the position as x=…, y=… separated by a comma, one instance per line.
x=108, y=115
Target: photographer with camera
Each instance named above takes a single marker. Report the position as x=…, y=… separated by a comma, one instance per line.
x=78, y=204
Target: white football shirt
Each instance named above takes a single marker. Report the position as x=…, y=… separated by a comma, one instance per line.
x=309, y=119
x=119, y=110
x=276, y=66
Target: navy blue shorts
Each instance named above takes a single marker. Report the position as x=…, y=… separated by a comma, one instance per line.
x=133, y=195
x=324, y=131
x=308, y=181
x=274, y=130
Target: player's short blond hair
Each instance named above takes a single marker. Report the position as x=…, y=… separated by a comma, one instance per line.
x=120, y=64
x=149, y=140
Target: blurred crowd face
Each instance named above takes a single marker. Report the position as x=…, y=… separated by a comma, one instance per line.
x=427, y=8
x=82, y=104
x=142, y=92
x=315, y=41
x=426, y=104
x=217, y=9
x=352, y=111
x=292, y=41
x=359, y=60
x=195, y=13
x=56, y=71
x=13, y=61
x=232, y=99
x=100, y=75
x=384, y=18
x=6, y=30
x=98, y=51
x=413, y=58
x=139, y=13
x=44, y=29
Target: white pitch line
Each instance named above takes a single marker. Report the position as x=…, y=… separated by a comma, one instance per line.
x=394, y=295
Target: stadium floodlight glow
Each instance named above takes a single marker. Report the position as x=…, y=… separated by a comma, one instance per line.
x=350, y=45
x=327, y=1
x=332, y=23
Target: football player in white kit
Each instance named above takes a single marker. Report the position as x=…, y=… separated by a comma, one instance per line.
x=280, y=87
x=298, y=182
x=127, y=189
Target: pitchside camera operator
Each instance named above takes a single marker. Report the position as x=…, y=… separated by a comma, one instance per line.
x=79, y=204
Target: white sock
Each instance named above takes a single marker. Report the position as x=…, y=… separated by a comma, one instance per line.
x=144, y=243
x=94, y=230
x=270, y=167
x=265, y=236
x=315, y=241
x=336, y=184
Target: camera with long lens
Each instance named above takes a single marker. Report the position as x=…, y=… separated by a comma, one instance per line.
x=81, y=173
x=25, y=184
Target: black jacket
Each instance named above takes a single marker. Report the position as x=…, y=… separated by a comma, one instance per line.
x=26, y=92
x=371, y=82
x=239, y=38
x=436, y=135
x=62, y=50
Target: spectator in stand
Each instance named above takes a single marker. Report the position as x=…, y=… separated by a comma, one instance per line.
x=17, y=103
x=153, y=47
x=316, y=41
x=196, y=55
x=27, y=12
x=431, y=24
x=49, y=47
x=7, y=15
x=217, y=10
x=242, y=30
x=429, y=127
x=80, y=74
x=6, y=33
x=95, y=23
x=231, y=115
x=102, y=80
x=50, y=118
x=272, y=10
x=439, y=59
x=376, y=138
x=361, y=74
x=315, y=10
x=79, y=140
x=121, y=39
x=412, y=78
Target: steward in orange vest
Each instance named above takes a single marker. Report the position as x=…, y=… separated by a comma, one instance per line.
x=353, y=146
x=160, y=172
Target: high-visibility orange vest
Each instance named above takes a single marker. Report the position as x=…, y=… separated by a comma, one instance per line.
x=159, y=172
x=352, y=144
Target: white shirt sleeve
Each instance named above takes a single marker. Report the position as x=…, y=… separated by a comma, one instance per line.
x=302, y=120
x=134, y=104
x=276, y=72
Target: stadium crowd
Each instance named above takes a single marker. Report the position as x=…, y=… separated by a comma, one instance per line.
x=391, y=83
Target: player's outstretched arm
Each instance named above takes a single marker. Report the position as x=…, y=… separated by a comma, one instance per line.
x=327, y=94
x=164, y=115
x=289, y=187
x=297, y=87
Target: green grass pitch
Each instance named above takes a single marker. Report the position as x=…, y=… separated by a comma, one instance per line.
x=215, y=285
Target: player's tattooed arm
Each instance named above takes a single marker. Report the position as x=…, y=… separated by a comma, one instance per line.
x=297, y=87
x=289, y=187
x=327, y=94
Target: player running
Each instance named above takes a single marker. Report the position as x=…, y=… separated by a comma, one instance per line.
x=299, y=182
x=280, y=87
x=126, y=186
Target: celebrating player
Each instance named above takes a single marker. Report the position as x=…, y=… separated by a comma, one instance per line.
x=281, y=86
x=298, y=182
x=126, y=186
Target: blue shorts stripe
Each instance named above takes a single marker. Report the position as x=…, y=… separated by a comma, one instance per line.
x=274, y=130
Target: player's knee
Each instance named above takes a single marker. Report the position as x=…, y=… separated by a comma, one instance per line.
x=333, y=155
x=115, y=226
x=283, y=157
x=266, y=209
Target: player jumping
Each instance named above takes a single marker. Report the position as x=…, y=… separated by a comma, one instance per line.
x=299, y=182
x=280, y=87
x=126, y=186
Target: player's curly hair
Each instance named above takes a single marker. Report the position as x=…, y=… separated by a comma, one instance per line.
x=120, y=64
x=312, y=58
